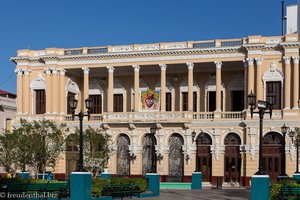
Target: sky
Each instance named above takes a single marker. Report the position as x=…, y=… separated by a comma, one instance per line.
x=40, y=24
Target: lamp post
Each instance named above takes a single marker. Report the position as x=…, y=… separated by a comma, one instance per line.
x=284, y=130
x=262, y=107
x=73, y=104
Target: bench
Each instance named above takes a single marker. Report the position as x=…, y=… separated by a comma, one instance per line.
x=290, y=191
x=120, y=190
x=60, y=189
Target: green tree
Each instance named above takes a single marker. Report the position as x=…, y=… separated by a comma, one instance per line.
x=7, y=153
x=97, y=149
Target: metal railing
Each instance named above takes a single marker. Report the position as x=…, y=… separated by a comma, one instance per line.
x=73, y=51
x=97, y=50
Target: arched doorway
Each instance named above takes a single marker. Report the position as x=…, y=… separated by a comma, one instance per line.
x=232, y=158
x=72, y=153
x=203, y=163
x=149, y=155
x=123, y=158
x=272, y=144
x=176, y=161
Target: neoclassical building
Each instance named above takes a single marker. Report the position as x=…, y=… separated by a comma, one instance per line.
x=171, y=108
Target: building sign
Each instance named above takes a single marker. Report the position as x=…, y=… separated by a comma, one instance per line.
x=150, y=100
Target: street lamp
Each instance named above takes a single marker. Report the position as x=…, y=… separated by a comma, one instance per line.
x=73, y=104
x=262, y=106
x=284, y=130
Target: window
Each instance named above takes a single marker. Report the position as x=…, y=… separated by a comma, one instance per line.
x=97, y=104
x=40, y=101
x=168, y=101
x=274, y=87
x=69, y=97
x=184, y=101
x=118, y=102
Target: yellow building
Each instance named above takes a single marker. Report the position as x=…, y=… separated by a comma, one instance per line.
x=190, y=110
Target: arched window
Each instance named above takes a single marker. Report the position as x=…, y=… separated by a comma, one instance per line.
x=38, y=91
x=123, y=158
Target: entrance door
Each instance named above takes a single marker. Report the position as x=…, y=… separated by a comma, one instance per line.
x=204, y=156
x=232, y=158
x=176, y=158
x=123, y=160
x=272, y=144
x=149, y=155
x=237, y=99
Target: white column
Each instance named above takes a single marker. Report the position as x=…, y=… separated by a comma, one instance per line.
x=26, y=94
x=62, y=91
x=250, y=75
x=218, y=85
x=55, y=94
x=296, y=82
x=110, y=91
x=163, y=68
x=190, y=85
x=19, y=73
x=287, y=83
x=259, y=83
x=136, y=87
x=86, y=72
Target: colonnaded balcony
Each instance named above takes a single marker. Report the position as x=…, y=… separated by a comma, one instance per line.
x=175, y=116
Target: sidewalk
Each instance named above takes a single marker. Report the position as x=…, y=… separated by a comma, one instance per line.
x=227, y=194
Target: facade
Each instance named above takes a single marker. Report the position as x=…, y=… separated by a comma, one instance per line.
x=171, y=108
x=8, y=110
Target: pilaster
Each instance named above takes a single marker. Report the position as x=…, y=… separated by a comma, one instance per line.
x=48, y=90
x=55, y=94
x=26, y=93
x=190, y=85
x=163, y=68
x=136, y=86
x=287, y=83
x=245, y=83
x=62, y=91
x=19, y=73
x=259, y=85
x=296, y=82
x=110, y=91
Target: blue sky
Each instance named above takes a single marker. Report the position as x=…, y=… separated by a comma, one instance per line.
x=40, y=24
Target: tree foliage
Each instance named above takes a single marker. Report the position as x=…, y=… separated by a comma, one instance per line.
x=97, y=149
x=37, y=144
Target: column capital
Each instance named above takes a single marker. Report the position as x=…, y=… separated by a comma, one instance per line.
x=62, y=71
x=245, y=63
x=163, y=66
x=296, y=59
x=47, y=71
x=250, y=61
x=85, y=70
x=111, y=69
x=218, y=64
x=54, y=70
x=259, y=61
x=190, y=66
x=19, y=72
x=287, y=60
x=136, y=68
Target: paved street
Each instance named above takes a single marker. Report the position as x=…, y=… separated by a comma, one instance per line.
x=227, y=194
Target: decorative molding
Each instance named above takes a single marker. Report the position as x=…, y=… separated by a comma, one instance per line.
x=176, y=46
x=122, y=48
x=274, y=40
x=19, y=72
x=254, y=52
x=291, y=50
x=62, y=71
x=47, y=71
x=38, y=84
x=148, y=47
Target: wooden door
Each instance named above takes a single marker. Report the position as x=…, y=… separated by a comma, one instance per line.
x=204, y=156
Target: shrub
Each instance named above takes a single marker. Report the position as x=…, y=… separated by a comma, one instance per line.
x=275, y=189
x=97, y=186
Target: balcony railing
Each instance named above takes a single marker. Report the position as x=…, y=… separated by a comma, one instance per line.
x=203, y=115
x=233, y=115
